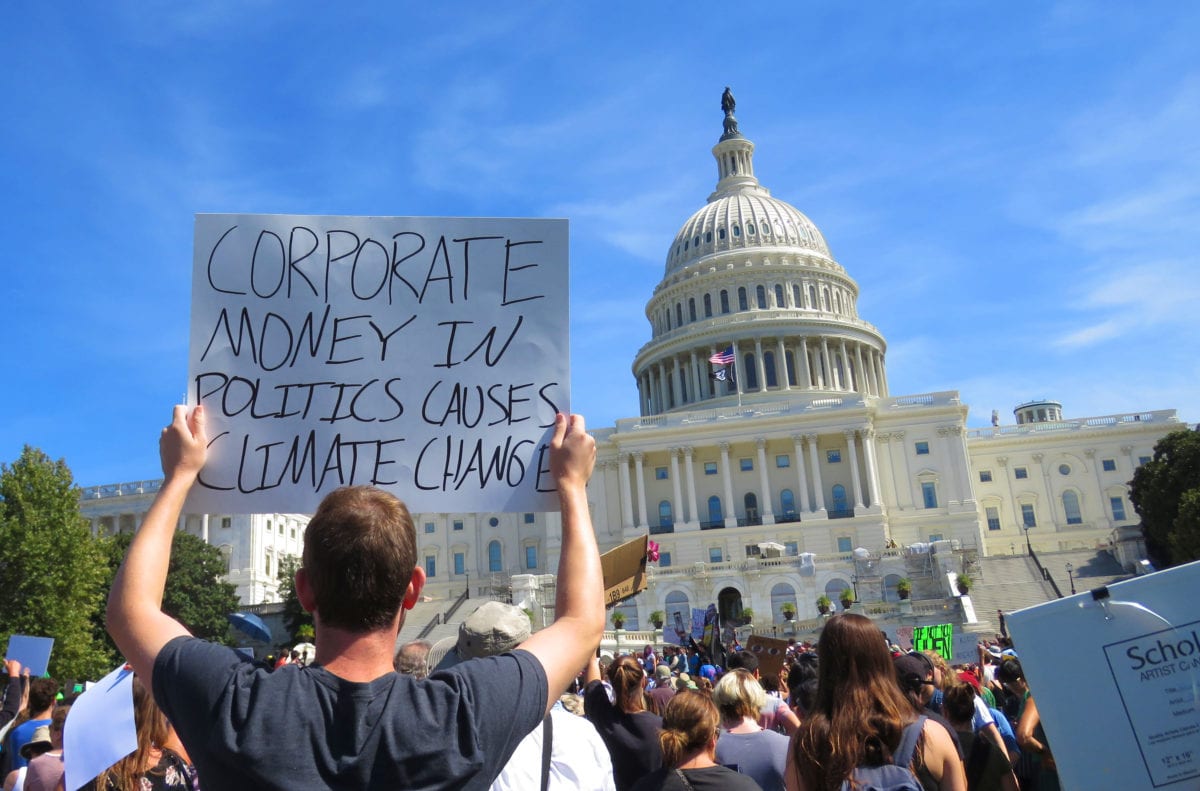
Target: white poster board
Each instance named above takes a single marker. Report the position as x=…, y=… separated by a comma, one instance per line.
x=100, y=729
x=1121, y=673
x=426, y=356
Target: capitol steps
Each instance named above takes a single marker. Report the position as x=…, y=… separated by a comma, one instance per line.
x=1006, y=582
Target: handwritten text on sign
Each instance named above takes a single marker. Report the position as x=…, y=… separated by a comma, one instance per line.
x=426, y=356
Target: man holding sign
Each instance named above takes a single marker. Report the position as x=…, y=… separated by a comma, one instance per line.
x=349, y=721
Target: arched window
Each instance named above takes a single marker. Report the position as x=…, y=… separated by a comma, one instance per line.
x=769, y=367
x=889, y=588
x=707, y=305
x=737, y=230
x=787, y=503
x=714, y=509
x=796, y=302
x=724, y=301
x=750, y=371
x=750, y=502
x=839, y=497
x=791, y=368
x=837, y=301
x=812, y=297
x=720, y=233
x=665, y=517
x=781, y=594
x=677, y=605
x=495, y=562
x=743, y=304
x=691, y=308
x=750, y=228
x=1070, y=502
x=827, y=304
x=779, y=296
x=760, y=296
x=834, y=588
x=678, y=314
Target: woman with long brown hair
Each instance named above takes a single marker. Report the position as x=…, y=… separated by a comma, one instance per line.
x=154, y=765
x=625, y=723
x=860, y=714
x=689, y=747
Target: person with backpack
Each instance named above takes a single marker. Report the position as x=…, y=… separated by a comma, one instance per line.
x=862, y=732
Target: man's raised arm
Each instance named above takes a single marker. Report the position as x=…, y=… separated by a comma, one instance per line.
x=135, y=618
x=565, y=646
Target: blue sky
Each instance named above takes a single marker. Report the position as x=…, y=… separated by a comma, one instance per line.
x=1016, y=188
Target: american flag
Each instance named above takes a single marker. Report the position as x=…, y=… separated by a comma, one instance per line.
x=722, y=358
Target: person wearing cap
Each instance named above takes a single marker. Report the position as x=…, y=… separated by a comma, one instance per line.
x=351, y=721
x=578, y=758
x=663, y=690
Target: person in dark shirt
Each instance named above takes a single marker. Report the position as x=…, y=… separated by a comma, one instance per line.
x=348, y=720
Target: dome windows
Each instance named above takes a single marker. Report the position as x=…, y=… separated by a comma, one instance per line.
x=724, y=301
x=743, y=302
x=779, y=296
x=708, y=237
x=707, y=305
x=766, y=229
x=737, y=231
x=750, y=229
x=760, y=295
x=721, y=234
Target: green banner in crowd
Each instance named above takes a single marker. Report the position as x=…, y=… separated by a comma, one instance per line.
x=939, y=637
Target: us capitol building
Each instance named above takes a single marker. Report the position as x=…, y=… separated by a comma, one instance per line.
x=790, y=472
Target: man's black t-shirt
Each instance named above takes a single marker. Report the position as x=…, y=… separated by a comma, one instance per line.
x=247, y=728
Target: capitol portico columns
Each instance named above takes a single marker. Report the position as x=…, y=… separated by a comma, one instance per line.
x=693, y=514
x=730, y=507
x=818, y=494
x=768, y=514
x=875, y=495
x=805, y=502
x=643, y=522
x=854, y=476
x=677, y=505
x=626, y=494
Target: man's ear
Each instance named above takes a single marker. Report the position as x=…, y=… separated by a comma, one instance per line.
x=413, y=592
x=304, y=591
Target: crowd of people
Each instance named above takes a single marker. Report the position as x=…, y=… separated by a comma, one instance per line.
x=502, y=707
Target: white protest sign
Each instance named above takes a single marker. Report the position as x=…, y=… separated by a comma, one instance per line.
x=99, y=730
x=1129, y=661
x=426, y=356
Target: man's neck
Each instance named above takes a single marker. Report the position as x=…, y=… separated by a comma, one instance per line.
x=355, y=656
x=43, y=715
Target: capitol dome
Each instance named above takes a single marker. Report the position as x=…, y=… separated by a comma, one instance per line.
x=746, y=219
x=752, y=306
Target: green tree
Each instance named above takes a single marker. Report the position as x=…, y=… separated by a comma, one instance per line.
x=52, y=572
x=1165, y=491
x=294, y=616
x=195, y=594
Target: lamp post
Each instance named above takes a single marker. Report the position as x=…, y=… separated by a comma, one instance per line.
x=1071, y=576
x=1028, y=545
x=854, y=582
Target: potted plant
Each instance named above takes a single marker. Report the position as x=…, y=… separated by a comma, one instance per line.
x=823, y=604
x=618, y=620
x=658, y=618
x=963, y=583
x=747, y=615
x=904, y=588
x=789, y=611
x=846, y=597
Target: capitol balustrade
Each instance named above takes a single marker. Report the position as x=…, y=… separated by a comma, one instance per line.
x=690, y=331
x=1159, y=417
x=832, y=560
x=797, y=404
x=120, y=489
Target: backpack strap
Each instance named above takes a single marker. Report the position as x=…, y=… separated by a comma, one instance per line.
x=547, y=748
x=908, y=742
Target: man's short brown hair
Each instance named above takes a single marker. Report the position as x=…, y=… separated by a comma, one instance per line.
x=360, y=550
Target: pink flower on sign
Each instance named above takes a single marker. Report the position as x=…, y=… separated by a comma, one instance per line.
x=652, y=551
